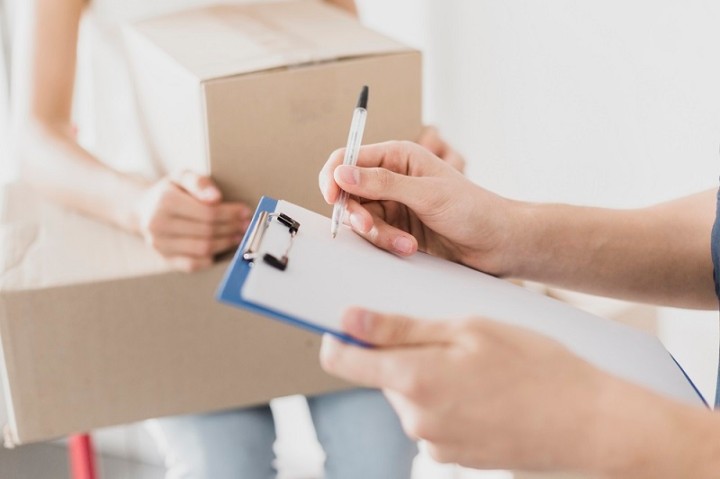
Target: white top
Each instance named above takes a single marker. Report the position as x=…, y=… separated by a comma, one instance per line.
x=105, y=109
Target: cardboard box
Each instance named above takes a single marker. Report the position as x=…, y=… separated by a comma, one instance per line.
x=242, y=92
x=95, y=330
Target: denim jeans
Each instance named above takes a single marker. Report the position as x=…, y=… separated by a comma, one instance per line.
x=359, y=431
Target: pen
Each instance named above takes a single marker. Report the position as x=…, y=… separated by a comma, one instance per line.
x=357, y=127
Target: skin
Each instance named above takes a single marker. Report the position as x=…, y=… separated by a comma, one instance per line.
x=488, y=395
x=183, y=216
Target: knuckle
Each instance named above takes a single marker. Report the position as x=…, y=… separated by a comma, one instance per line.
x=337, y=154
x=154, y=224
x=167, y=197
x=399, y=331
x=441, y=454
x=415, y=387
x=211, y=214
x=416, y=425
x=204, y=247
x=204, y=230
x=153, y=241
x=382, y=179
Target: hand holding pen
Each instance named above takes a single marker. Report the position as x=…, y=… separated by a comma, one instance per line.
x=357, y=128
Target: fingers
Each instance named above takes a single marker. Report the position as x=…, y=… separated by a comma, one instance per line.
x=182, y=205
x=398, y=156
x=369, y=367
x=455, y=159
x=430, y=138
x=200, y=187
x=183, y=218
x=383, y=184
x=392, y=330
x=378, y=232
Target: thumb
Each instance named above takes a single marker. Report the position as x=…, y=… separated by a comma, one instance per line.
x=199, y=186
x=388, y=330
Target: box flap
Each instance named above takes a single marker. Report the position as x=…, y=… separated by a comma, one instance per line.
x=225, y=40
x=43, y=245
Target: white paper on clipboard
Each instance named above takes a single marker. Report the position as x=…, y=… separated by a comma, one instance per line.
x=324, y=277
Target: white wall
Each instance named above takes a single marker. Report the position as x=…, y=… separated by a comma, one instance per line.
x=4, y=160
x=611, y=103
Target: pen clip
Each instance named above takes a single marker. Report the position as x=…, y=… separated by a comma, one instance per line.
x=257, y=234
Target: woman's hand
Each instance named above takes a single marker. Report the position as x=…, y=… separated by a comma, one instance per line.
x=184, y=219
x=405, y=198
x=431, y=140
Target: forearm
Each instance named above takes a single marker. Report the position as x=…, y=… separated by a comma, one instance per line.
x=641, y=435
x=658, y=255
x=59, y=168
x=348, y=5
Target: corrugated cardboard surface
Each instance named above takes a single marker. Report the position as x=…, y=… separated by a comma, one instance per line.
x=95, y=329
x=85, y=355
x=224, y=40
x=247, y=91
x=292, y=119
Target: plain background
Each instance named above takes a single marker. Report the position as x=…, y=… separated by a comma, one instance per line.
x=613, y=103
x=609, y=103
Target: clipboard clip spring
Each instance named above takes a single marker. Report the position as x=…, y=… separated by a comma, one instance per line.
x=256, y=236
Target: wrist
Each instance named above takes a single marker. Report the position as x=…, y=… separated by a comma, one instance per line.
x=128, y=209
x=512, y=238
x=640, y=434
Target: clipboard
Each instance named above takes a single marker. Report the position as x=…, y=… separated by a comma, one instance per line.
x=245, y=258
x=288, y=268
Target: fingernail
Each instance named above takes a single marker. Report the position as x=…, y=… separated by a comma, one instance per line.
x=364, y=321
x=357, y=222
x=348, y=175
x=328, y=348
x=210, y=193
x=323, y=183
x=402, y=245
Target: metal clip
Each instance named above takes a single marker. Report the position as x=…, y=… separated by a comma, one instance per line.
x=256, y=236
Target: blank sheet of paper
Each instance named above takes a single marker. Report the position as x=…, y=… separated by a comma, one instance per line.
x=324, y=277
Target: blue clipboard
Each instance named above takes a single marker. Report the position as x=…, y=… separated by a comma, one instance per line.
x=576, y=329
x=230, y=290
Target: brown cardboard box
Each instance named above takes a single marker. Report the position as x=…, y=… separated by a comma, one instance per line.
x=95, y=330
x=246, y=91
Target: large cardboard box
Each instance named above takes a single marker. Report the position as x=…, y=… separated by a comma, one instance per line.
x=243, y=92
x=96, y=330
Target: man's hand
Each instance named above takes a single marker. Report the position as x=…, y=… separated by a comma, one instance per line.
x=430, y=138
x=183, y=218
x=489, y=395
x=405, y=198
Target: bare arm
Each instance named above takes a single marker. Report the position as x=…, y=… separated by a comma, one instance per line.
x=411, y=200
x=659, y=254
x=519, y=400
x=182, y=217
x=348, y=5
x=52, y=161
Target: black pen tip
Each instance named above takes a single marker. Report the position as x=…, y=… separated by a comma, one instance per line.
x=363, y=98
